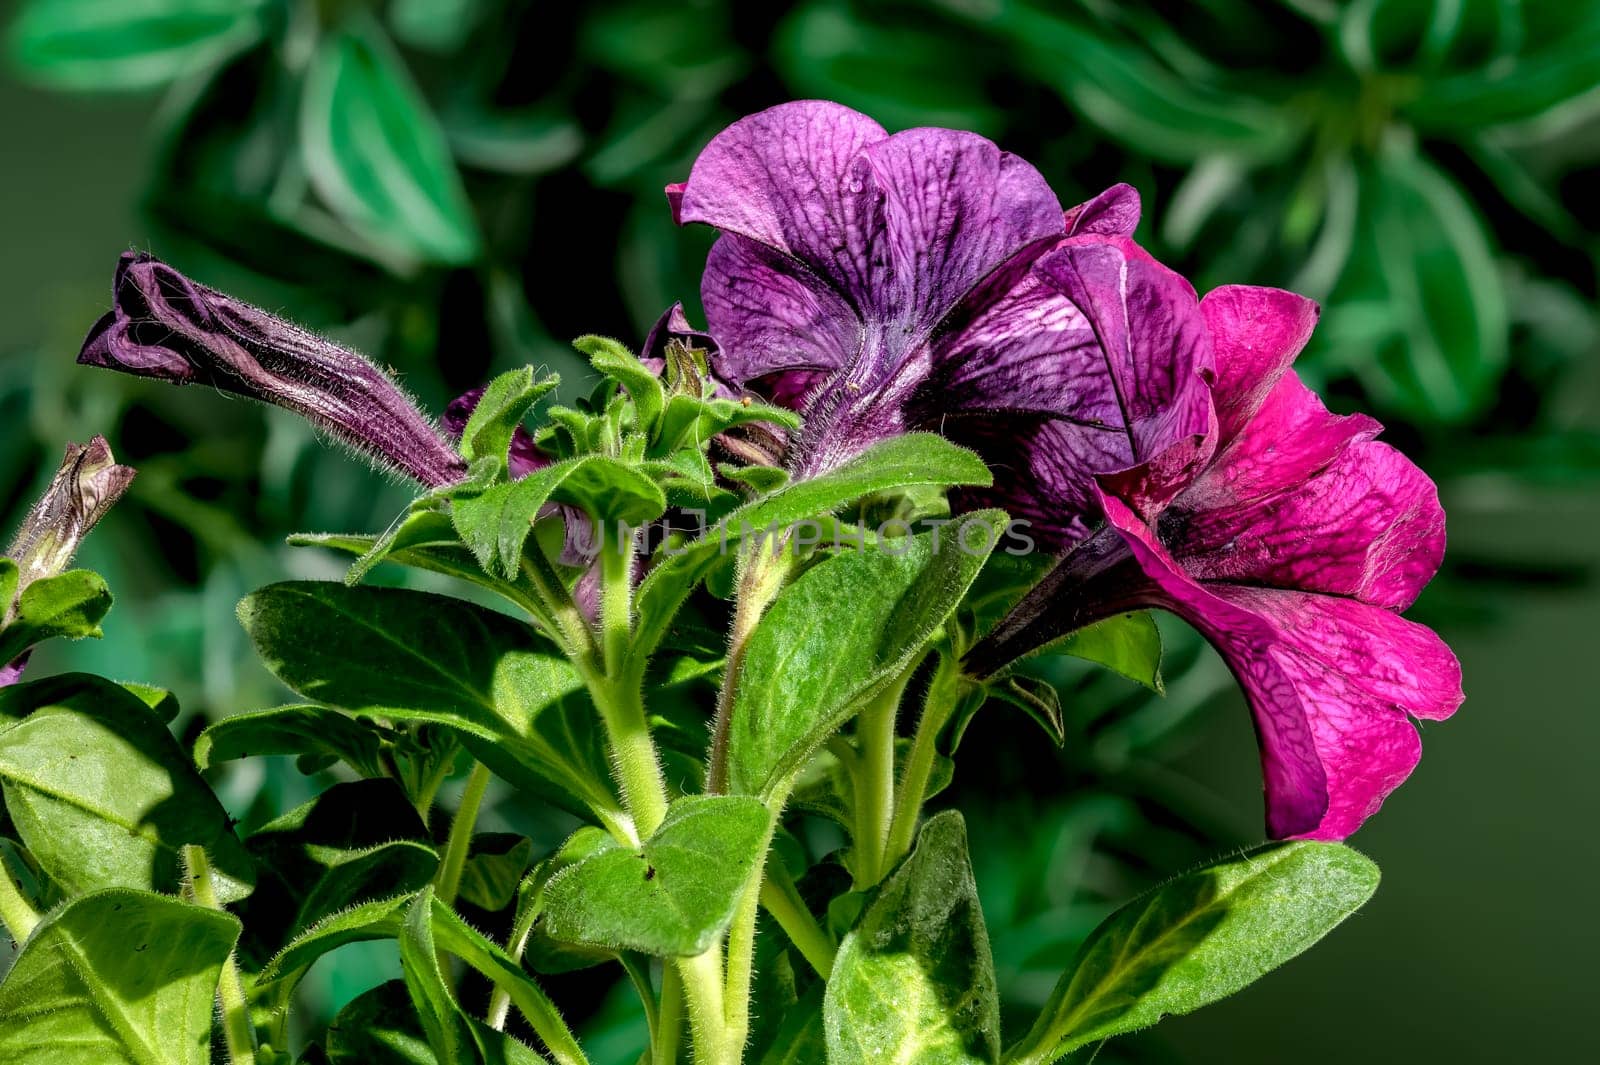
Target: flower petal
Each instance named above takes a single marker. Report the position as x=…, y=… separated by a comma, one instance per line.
x=955, y=207
x=1155, y=357
x=1290, y=438
x=168, y=327
x=769, y=314
x=1368, y=526
x=1113, y=213
x=1256, y=334
x=1332, y=684
x=792, y=177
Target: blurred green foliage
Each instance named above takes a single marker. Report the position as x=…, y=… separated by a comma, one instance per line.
x=458, y=186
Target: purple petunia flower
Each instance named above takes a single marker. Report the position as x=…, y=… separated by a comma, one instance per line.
x=1293, y=546
x=927, y=280
x=167, y=327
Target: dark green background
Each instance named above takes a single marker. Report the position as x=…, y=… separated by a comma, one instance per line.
x=1478, y=948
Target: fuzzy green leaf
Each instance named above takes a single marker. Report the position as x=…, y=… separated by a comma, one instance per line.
x=102, y=795
x=1197, y=939
x=495, y=522
x=301, y=730
x=403, y=655
x=116, y=978
x=914, y=981
x=500, y=411
x=843, y=630
x=675, y=894
x=68, y=606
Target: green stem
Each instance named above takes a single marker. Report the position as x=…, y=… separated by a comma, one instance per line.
x=238, y=1033
x=669, y=1018
x=19, y=916
x=761, y=576
x=447, y=883
x=617, y=695
x=782, y=900
x=702, y=988
x=742, y=933
x=875, y=735
x=945, y=693
x=516, y=944
x=638, y=768
x=568, y=619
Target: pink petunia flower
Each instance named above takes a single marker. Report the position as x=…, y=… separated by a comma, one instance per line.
x=1293, y=545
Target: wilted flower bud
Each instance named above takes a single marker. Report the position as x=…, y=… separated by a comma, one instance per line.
x=165, y=326
x=84, y=488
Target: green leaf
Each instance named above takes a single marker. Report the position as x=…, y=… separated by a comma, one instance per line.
x=844, y=629
x=375, y=153
x=1554, y=67
x=403, y=655
x=431, y=926
x=369, y=920
x=354, y=843
x=914, y=981
x=1197, y=939
x=102, y=795
x=614, y=360
x=1128, y=644
x=901, y=461
x=1424, y=293
x=116, y=978
x=495, y=866
x=378, y=1027
x=500, y=411
x=69, y=606
x=1123, y=88
x=434, y=25
x=512, y=142
x=101, y=45
x=300, y=730
x=424, y=539
x=495, y=522
x=674, y=895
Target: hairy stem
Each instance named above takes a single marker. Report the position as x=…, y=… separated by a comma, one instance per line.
x=669, y=1018
x=782, y=900
x=742, y=932
x=946, y=692
x=761, y=576
x=875, y=736
x=702, y=988
x=447, y=883
x=237, y=1031
x=617, y=695
x=499, y=1000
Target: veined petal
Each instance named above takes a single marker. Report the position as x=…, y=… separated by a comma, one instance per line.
x=1155, y=358
x=769, y=314
x=1332, y=684
x=1290, y=439
x=792, y=177
x=1368, y=526
x=1113, y=213
x=1256, y=334
x=954, y=208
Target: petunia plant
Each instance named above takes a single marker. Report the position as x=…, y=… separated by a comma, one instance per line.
x=720, y=623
